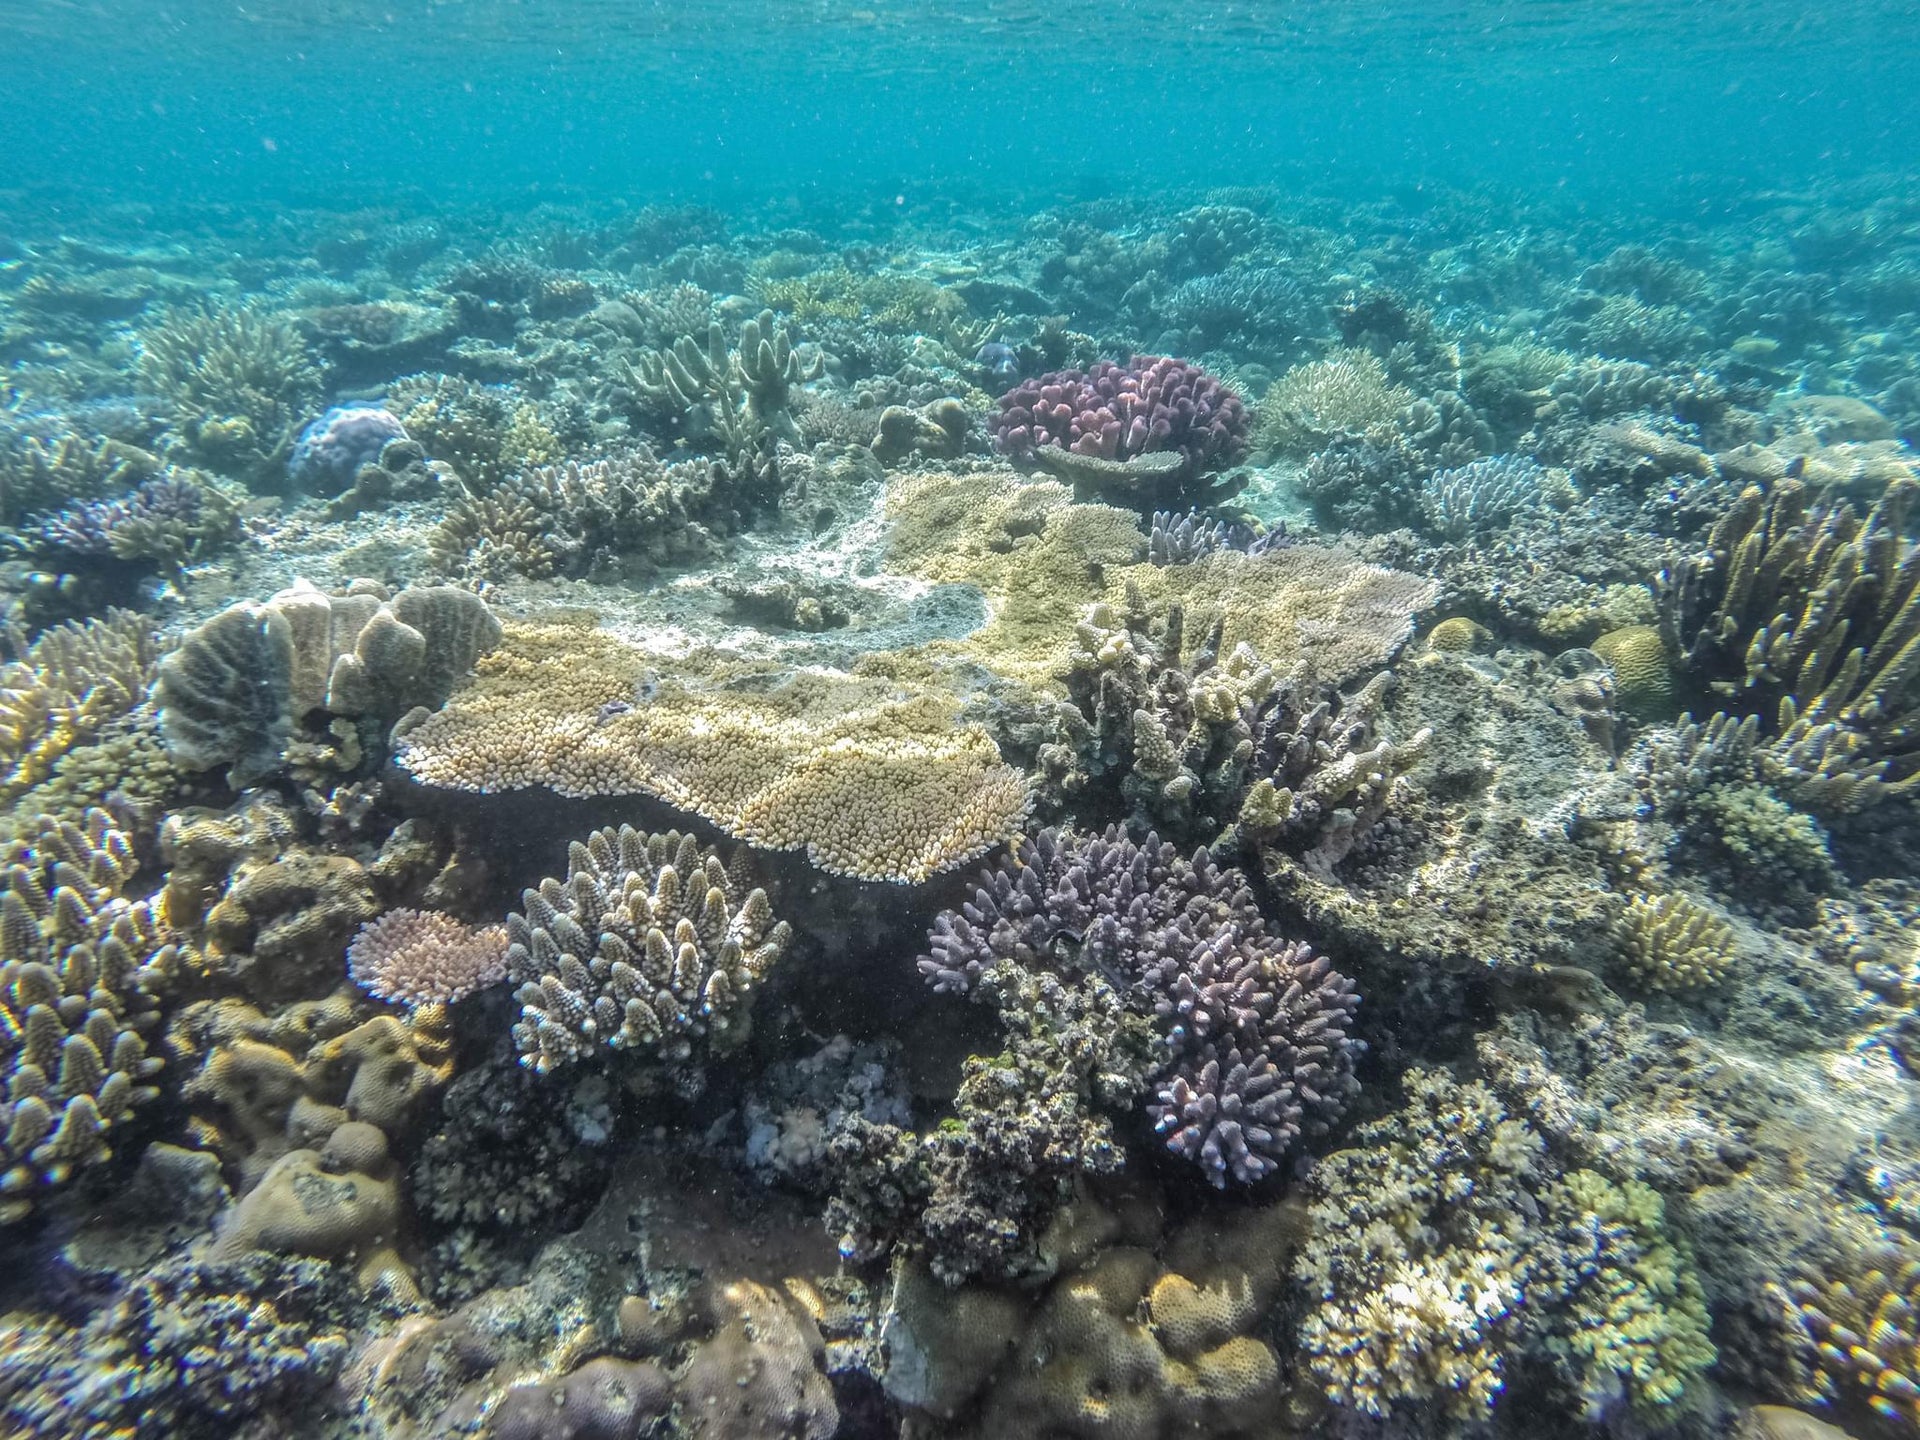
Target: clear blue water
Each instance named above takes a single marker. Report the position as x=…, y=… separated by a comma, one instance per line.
x=1642, y=103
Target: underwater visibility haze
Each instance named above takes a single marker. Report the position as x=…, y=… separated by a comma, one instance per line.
x=868, y=720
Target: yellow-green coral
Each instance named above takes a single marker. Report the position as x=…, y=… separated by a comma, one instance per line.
x=1459, y=634
x=238, y=380
x=1642, y=673
x=64, y=687
x=1638, y=1316
x=870, y=780
x=1674, y=943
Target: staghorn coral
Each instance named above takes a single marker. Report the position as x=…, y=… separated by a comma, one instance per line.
x=491, y=537
x=242, y=687
x=238, y=381
x=647, y=945
x=1808, y=615
x=1255, y=1027
x=1326, y=771
x=79, y=970
x=61, y=690
x=421, y=957
x=870, y=779
x=458, y=422
x=36, y=475
x=1123, y=415
x=1346, y=394
x=1175, y=731
x=740, y=396
x=1674, y=943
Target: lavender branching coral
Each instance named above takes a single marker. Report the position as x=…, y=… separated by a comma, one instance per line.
x=1256, y=1029
x=170, y=519
x=1143, y=434
x=1176, y=539
x=649, y=944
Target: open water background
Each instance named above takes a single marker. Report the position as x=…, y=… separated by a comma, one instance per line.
x=1653, y=106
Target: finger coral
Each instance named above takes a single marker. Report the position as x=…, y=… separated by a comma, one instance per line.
x=80, y=967
x=870, y=779
x=238, y=380
x=1673, y=943
x=417, y=957
x=647, y=945
x=60, y=690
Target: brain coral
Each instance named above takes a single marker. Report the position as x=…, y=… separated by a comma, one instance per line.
x=871, y=780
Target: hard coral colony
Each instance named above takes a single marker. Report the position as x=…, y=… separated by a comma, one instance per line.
x=648, y=823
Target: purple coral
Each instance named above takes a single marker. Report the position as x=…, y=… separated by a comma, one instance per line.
x=331, y=450
x=1256, y=1028
x=105, y=527
x=1115, y=412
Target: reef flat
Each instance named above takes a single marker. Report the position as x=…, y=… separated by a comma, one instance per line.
x=1226, y=814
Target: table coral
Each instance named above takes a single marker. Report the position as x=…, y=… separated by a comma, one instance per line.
x=81, y=969
x=422, y=957
x=648, y=944
x=870, y=779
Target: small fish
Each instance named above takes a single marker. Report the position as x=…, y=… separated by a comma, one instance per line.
x=1000, y=361
x=611, y=709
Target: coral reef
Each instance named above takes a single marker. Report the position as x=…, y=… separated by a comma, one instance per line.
x=238, y=382
x=1312, y=404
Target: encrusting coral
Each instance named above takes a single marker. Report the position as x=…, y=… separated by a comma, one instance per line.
x=81, y=968
x=870, y=779
x=647, y=945
x=240, y=684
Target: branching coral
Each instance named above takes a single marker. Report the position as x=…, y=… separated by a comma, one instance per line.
x=1181, y=539
x=61, y=689
x=1346, y=394
x=79, y=970
x=238, y=381
x=1808, y=615
x=1256, y=1027
x=1674, y=943
x=740, y=397
x=1861, y=1339
x=169, y=520
x=1481, y=495
x=647, y=945
x=36, y=475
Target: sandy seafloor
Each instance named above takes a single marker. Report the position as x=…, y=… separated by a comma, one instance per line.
x=1414, y=880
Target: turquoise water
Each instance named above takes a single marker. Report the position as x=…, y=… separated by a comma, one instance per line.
x=1636, y=103
x=864, y=720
